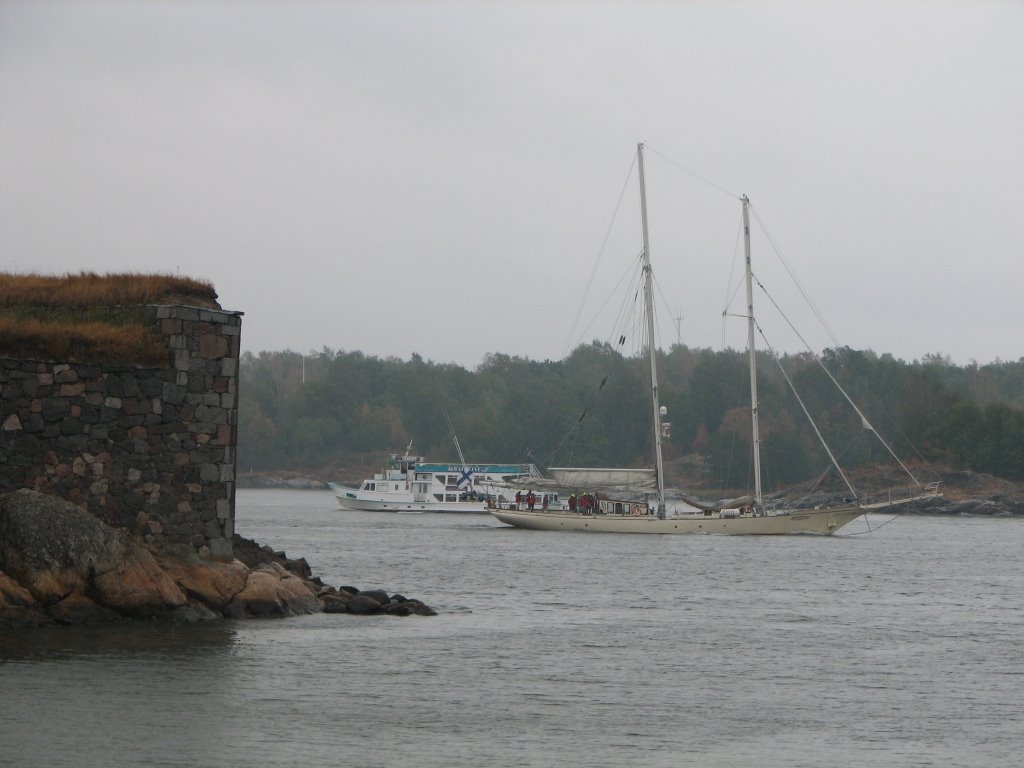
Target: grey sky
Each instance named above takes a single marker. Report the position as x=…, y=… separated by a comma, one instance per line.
x=400, y=177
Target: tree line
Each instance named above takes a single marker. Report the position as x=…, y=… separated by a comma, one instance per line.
x=592, y=408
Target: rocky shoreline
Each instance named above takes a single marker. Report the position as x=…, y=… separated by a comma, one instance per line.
x=962, y=493
x=61, y=565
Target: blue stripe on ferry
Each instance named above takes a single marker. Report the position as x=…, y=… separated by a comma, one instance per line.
x=497, y=468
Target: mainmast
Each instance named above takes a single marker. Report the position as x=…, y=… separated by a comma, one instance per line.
x=751, y=352
x=649, y=310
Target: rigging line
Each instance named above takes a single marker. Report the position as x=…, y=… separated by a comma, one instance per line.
x=795, y=279
x=623, y=326
x=796, y=394
x=600, y=255
x=814, y=486
x=455, y=438
x=817, y=358
x=906, y=438
x=624, y=331
x=664, y=301
x=614, y=291
x=692, y=172
x=732, y=273
x=870, y=529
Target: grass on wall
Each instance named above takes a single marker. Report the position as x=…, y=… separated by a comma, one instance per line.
x=87, y=289
x=89, y=317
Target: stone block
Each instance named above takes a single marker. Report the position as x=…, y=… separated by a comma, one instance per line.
x=71, y=427
x=220, y=547
x=213, y=346
x=225, y=435
x=211, y=414
x=212, y=530
x=174, y=393
x=55, y=409
x=187, y=314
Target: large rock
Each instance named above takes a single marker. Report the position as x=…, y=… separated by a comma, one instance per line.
x=211, y=583
x=17, y=606
x=59, y=564
x=53, y=549
x=79, y=609
x=271, y=590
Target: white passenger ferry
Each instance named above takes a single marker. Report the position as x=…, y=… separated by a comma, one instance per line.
x=407, y=484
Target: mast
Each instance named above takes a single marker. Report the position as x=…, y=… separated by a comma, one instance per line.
x=649, y=310
x=752, y=354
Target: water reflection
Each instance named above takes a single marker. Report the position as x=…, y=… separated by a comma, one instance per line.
x=150, y=639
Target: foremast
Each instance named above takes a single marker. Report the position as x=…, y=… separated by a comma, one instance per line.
x=752, y=355
x=652, y=352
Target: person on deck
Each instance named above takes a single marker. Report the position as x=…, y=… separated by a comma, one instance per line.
x=530, y=500
x=572, y=501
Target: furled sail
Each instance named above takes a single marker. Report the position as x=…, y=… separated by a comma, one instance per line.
x=605, y=478
x=715, y=506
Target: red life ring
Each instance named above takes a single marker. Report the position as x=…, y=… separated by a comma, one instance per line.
x=636, y=510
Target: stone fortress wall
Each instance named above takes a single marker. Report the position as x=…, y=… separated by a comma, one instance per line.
x=147, y=449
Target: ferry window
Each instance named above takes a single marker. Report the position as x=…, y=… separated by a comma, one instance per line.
x=370, y=486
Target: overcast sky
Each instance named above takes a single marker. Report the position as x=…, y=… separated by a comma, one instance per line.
x=438, y=178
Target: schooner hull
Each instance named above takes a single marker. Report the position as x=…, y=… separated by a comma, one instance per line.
x=813, y=521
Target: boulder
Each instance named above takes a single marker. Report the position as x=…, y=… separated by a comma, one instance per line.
x=79, y=609
x=363, y=605
x=270, y=590
x=53, y=549
x=17, y=606
x=376, y=594
x=336, y=602
x=211, y=583
x=12, y=594
x=410, y=608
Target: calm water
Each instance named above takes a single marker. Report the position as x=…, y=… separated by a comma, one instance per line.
x=899, y=648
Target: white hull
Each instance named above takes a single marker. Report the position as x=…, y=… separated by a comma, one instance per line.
x=815, y=521
x=351, y=498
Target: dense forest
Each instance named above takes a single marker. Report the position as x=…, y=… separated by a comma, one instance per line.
x=327, y=411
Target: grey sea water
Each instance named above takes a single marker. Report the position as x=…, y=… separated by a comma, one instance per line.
x=899, y=648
